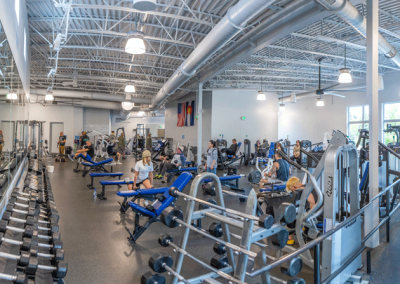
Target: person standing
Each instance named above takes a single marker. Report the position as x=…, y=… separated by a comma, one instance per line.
x=121, y=145
x=149, y=142
x=1, y=141
x=212, y=156
x=61, y=143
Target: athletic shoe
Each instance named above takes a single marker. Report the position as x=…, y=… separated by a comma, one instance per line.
x=163, y=181
x=290, y=242
x=70, y=157
x=118, y=163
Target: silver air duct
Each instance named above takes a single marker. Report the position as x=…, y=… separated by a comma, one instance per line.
x=350, y=14
x=233, y=22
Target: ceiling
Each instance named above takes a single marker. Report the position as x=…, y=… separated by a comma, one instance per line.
x=92, y=57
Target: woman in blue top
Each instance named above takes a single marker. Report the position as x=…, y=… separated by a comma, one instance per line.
x=212, y=155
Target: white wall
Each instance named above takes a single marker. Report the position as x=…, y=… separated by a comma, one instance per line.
x=188, y=134
x=261, y=116
x=304, y=121
x=96, y=119
x=72, y=118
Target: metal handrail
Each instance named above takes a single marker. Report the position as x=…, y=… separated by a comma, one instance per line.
x=318, y=240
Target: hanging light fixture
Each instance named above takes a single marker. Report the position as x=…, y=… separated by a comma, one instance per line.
x=141, y=113
x=261, y=96
x=130, y=88
x=135, y=43
x=127, y=105
x=320, y=102
x=49, y=97
x=345, y=73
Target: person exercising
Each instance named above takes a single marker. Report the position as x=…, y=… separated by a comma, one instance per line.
x=177, y=162
x=293, y=184
x=231, y=151
x=61, y=143
x=296, y=152
x=1, y=141
x=87, y=152
x=121, y=146
x=280, y=168
x=149, y=143
x=143, y=172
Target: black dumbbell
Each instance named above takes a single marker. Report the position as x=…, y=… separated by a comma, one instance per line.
x=164, y=240
x=28, y=221
x=292, y=267
x=26, y=243
x=158, y=262
x=52, y=210
x=57, y=254
x=59, y=270
x=219, y=261
x=149, y=278
x=23, y=259
x=28, y=231
x=215, y=230
x=19, y=277
x=33, y=221
x=219, y=248
x=16, y=193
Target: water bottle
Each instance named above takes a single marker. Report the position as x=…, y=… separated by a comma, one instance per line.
x=94, y=194
x=393, y=140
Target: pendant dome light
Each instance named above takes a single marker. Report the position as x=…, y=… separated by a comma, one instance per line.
x=261, y=96
x=135, y=43
x=49, y=97
x=345, y=73
x=130, y=88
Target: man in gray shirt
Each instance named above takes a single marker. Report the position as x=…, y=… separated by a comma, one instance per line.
x=212, y=156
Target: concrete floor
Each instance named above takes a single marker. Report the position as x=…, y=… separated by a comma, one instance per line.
x=97, y=249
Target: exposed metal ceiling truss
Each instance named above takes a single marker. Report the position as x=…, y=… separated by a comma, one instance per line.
x=92, y=54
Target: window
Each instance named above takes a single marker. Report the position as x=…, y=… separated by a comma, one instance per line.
x=391, y=116
x=357, y=118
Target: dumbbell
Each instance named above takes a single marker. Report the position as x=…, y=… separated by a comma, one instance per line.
x=219, y=261
x=53, y=227
x=19, y=277
x=149, y=278
x=215, y=230
x=292, y=267
x=59, y=270
x=26, y=243
x=209, y=189
x=159, y=197
x=219, y=248
x=16, y=193
x=28, y=232
x=30, y=220
x=32, y=206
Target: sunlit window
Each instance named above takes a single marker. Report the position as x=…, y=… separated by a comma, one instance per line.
x=357, y=118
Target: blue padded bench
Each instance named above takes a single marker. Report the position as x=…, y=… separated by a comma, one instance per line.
x=172, y=173
x=274, y=187
x=228, y=181
x=98, y=167
x=157, y=207
x=147, y=194
x=93, y=175
x=106, y=182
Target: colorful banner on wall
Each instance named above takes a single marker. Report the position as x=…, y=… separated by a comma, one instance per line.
x=186, y=114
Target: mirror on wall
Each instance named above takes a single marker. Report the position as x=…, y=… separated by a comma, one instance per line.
x=13, y=116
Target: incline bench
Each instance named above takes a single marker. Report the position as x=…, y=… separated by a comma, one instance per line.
x=146, y=194
x=153, y=212
x=93, y=175
x=97, y=167
x=228, y=181
x=172, y=173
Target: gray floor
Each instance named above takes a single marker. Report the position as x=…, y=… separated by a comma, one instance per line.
x=97, y=249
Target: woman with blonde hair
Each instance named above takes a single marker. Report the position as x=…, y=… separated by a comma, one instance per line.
x=293, y=184
x=143, y=172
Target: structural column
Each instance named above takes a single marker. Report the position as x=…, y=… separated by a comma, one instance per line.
x=372, y=213
x=199, y=123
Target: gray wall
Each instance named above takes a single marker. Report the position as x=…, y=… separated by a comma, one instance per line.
x=189, y=132
x=96, y=119
x=261, y=116
x=303, y=120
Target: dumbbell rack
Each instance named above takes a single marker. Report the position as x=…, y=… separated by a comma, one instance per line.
x=31, y=253
x=250, y=234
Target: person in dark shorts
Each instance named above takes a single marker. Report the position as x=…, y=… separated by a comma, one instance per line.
x=231, y=151
x=86, y=153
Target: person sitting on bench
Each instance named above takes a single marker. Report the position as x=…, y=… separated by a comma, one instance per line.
x=293, y=184
x=87, y=152
x=280, y=168
x=143, y=172
x=178, y=161
x=296, y=153
x=231, y=151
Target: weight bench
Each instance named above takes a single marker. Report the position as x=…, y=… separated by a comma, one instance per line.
x=106, y=182
x=153, y=212
x=97, y=167
x=146, y=194
x=274, y=187
x=231, y=181
x=93, y=175
x=172, y=173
